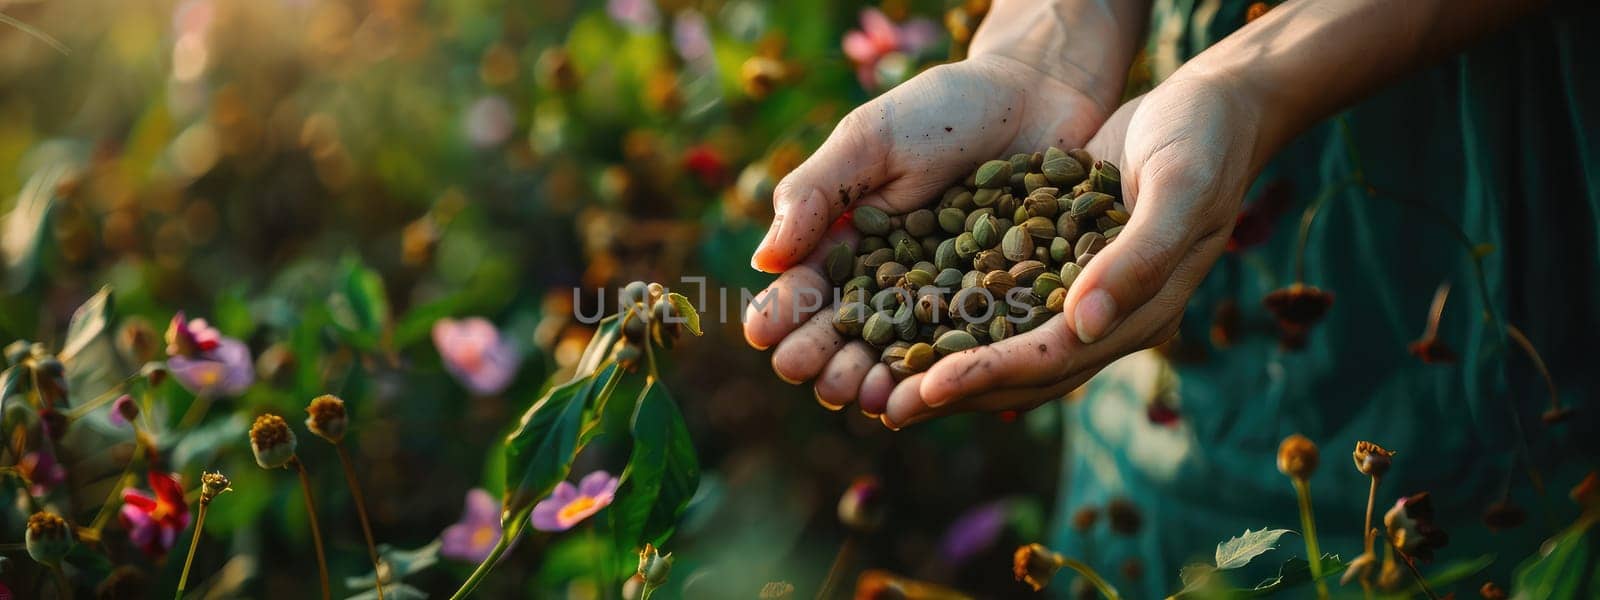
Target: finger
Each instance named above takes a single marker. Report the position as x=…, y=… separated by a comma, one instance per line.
x=793, y=297
x=1023, y=398
x=802, y=354
x=883, y=153
x=875, y=390
x=904, y=402
x=841, y=378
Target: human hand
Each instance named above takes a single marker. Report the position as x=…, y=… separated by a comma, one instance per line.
x=897, y=152
x=1187, y=151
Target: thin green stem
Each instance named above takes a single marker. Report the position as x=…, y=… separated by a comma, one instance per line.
x=1089, y=574
x=1308, y=523
x=506, y=538
x=1415, y=574
x=361, y=512
x=316, y=531
x=199, y=523
x=1366, y=530
x=61, y=581
x=846, y=552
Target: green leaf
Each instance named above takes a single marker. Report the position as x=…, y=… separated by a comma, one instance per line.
x=10, y=383
x=1238, y=551
x=1293, y=572
x=686, y=310
x=1560, y=569
x=539, y=452
x=600, y=346
x=661, y=476
x=22, y=233
x=358, y=305
x=87, y=323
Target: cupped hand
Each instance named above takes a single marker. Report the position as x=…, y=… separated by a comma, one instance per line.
x=1187, y=152
x=898, y=152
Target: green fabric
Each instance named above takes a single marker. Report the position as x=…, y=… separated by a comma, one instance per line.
x=1499, y=141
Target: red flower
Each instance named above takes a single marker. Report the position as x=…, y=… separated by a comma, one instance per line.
x=707, y=164
x=154, y=522
x=1160, y=413
x=1256, y=222
x=1297, y=308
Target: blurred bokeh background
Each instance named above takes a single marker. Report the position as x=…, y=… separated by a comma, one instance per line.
x=326, y=179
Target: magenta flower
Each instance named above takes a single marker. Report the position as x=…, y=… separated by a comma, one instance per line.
x=471, y=538
x=568, y=505
x=640, y=15
x=879, y=38
x=973, y=533
x=124, y=410
x=42, y=471
x=206, y=363
x=154, y=521
x=691, y=36
x=475, y=353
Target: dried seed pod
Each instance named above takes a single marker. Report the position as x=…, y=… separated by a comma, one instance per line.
x=907, y=251
x=894, y=352
x=1041, y=205
x=954, y=341
x=966, y=246
x=1083, y=261
x=1000, y=328
x=1067, y=227
x=1117, y=216
x=998, y=283
x=1091, y=204
x=1046, y=283
x=899, y=370
x=889, y=273
x=952, y=220
x=969, y=304
x=985, y=197
x=1026, y=271
x=945, y=256
x=850, y=318
x=916, y=279
x=905, y=323
x=974, y=215
x=871, y=220
x=1020, y=162
x=921, y=223
x=1017, y=245
x=930, y=245
x=1061, y=169
x=930, y=309
x=1061, y=250
x=1040, y=228
x=877, y=258
x=871, y=243
x=1085, y=160
x=920, y=356
x=1006, y=205
x=961, y=201
x=1090, y=243
x=989, y=260
x=839, y=264
x=972, y=279
x=878, y=330
x=979, y=330
x=1106, y=178
x=1033, y=181
x=1111, y=233
x=948, y=279
x=887, y=299
x=1057, y=300
x=1069, y=274
x=992, y=174
x=986, y=231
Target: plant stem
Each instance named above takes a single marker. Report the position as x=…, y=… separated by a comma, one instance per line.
x=1094, y=578
x=316, y=532
x=361, y=512
x=846, y=551
x=1366, y=530
x=61, y=581
x=506, y=538
x=199, y=522
x=1308, y=522
x=1415, y=574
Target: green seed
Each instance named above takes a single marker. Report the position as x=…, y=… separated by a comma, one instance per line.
x=871, y=220
x=952, y=220
x=986, y=231
x=921, y=223
x=878, y=330
x=1017, y=245
x=954, y=341
x=850, y=318
x=1091, y=204
x=919, y=357
x=840, y=264
x=992, y=174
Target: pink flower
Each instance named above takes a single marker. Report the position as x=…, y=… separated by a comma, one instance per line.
x=879, y=37
x=205, y=362
x=123, y=410
x=190, y=338
x=154, y=521
x=42, y=471
x=474, y=536
x=474, y=352
x=569, y=505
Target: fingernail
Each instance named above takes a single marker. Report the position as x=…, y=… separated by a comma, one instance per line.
x=826, y=404
x=886, y=423
x=869, y=414
x=756, y=259
x=1094, y=316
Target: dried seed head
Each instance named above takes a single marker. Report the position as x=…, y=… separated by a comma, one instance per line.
x=213, y=484
x=654, y=566
x=1371, y=459
x=327, y=418
x=1297, y=457
x=1124, y=516
x=1491, y=591
x=1035, y=565
x=49, y=538
x=272, y=441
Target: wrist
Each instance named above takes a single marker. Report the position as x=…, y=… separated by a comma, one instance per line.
x=1084, y=44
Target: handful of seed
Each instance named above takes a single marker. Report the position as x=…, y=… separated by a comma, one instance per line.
x=994, y=258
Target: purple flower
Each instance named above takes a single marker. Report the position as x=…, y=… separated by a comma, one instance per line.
x=691, y=36
x=973, y=533
x=123, y=410
x=226, y=370
x=474, y=352
x=880, y=38
x=569, y=505
x=154, y=520
x=634, y=14
x=471, y=538
x=42, y=471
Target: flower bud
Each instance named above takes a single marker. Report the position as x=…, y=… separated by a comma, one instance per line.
x=327, y=418
x=49, y=538
x=155, y=373
x=272, y=441
x=654, y=567
x=1297, y=457
x=633, y=588
x=138, y=341
x=212, y=485
x=1371, y=459
x=861, y=506
x=1034, y=565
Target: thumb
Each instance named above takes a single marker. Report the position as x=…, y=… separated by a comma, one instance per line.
x=851, y=162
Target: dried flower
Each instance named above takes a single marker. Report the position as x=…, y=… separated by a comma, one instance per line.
x=154, y=520
x=213, y=484
x=1431, y=350
x=1411, y=527
x=861, y=507
x=1491, y=591
x=1256, y=11
x=1504, y=515
x=472, y=537
x=1085, y=518
x=654, y=566
x=1371, y=459
x=1296, y=309
x=1124, y=516
x=476, y=354
x=190, y=338
x=49, y=538
x=272, y=441
x=124, y=410
x=568, y=504
x=137, y=340
x=1257, y=222
x=1297, y=457
x=1035, y=565
x=327, y=418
